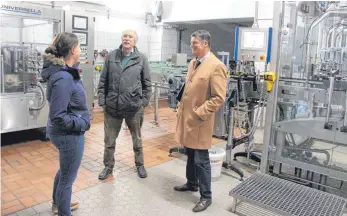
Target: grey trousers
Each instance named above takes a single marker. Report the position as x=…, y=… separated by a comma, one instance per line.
x=112, y=127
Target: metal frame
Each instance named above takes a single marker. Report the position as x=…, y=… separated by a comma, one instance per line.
x=285, y=197
x=272, y=96
x=18, y=105
x=62, y=21
x=318, y=95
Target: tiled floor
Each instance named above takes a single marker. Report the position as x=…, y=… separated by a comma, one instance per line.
x=131, y=196
x=28, y=169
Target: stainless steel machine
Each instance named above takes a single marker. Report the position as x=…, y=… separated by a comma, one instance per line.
x=26, y=31
x=306, y=135
x=246, y=95
x=304, y=155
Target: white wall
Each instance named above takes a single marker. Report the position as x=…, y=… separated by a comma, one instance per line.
x=119, y=8
x=192, y=10
x=34, y=31
x=159, y=43
x=108, y=32
x=169, y=43
x=222, y=37
x=222, y=33
x=265, y=14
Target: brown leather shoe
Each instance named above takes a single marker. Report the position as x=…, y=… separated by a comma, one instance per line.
x=74, y=206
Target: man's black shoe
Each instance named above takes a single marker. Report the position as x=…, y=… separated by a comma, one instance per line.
x=105, y=173
x=185, y=187
x=202, y=205
x=141, y=172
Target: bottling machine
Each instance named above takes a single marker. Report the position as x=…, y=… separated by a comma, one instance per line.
x=246, y=96
x=244, y=99
x=26, y=31
x=303, y=162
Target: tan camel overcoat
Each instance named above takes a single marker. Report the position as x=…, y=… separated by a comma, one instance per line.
x=203, y=95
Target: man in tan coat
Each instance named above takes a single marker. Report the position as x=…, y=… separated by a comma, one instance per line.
x=203, y=94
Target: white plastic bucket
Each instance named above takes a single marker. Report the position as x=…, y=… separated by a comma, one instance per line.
x=216, y=160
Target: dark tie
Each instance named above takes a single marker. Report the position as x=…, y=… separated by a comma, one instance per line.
x=197, y=64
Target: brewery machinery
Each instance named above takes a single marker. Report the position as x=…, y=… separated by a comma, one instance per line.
x=175, y=84
x=238, y=120
x=171, y=74
x=308, y=137
x=26, y=31
x=244, y=99
x=305, y=138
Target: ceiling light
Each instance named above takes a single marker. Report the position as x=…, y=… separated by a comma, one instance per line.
x=66, y=7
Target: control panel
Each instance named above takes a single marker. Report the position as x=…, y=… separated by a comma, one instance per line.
x=84, y=55
x=224, y=57
x=83, y=26
x=253, y=44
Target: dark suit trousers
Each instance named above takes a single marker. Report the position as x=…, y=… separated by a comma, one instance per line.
x=198, y=171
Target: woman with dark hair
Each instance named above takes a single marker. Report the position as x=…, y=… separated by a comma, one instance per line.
x=68, y=118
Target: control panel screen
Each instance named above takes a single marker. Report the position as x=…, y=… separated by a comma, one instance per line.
x=253, y=40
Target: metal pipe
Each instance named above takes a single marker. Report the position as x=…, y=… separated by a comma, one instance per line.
x=280, y=139
x=294, y=15
x=340, y=35
x=330, y=92
x=261, y=120
x=309, y=33
x=255, y=22
x=345, y=118
x=331, y=30
x=156, y=105
x=2, y=74
x=335, y=36
x=312, y=106
x=229, y=145
x=272, y=98
x=179, y=38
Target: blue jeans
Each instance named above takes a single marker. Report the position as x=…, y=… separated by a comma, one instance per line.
x=71, y=149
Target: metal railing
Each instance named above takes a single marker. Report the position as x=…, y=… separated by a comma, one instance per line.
x=157, y=86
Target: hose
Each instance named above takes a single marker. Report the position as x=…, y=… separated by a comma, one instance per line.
x=258, y=114
x=43, y=99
